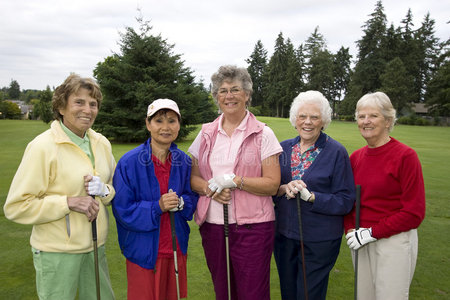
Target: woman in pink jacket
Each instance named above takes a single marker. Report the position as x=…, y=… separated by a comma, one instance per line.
x=236, y=168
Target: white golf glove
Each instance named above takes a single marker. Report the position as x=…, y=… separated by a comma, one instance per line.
x=97, y=187
x=225, y=181
x=305, y=195
x=180, y=205
x=358, y=238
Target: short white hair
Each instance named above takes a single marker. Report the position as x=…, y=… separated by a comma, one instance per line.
x=381, y=101
x=311, y=97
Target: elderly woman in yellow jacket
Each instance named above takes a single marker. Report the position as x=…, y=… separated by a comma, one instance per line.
x=61, y=170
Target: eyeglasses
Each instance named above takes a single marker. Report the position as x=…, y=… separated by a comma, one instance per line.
x=234, y=91
x=313, y=118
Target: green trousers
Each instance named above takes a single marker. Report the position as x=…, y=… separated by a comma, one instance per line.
x=61, y=276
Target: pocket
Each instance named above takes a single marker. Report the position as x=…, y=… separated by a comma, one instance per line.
x=68, y=225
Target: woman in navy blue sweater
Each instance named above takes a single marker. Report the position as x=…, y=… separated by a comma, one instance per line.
x=318, y=167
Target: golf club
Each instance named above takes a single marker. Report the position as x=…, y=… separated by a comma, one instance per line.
x=357, y=212
x=174, y=247
x=227, y=249
x=94, y=239
x=299, y=212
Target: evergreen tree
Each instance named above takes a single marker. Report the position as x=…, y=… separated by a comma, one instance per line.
x=371, y=60
x=14, y=90
x=274, y=80
x=143, y=71
x=398, y=84
x=409, y=54
x=314, y=44
x=341, y=75
x=429, y=53
x=257, y=65
x=392, y=43
x=438, y=92
x=321, y=76
x=293, y=84
x=319, y=65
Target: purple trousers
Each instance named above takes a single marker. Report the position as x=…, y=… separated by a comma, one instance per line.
x=251, y=247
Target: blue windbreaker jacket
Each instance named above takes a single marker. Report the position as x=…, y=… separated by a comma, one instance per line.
x=136, y=204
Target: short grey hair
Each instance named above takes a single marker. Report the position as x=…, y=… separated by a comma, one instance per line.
x=311, y=97
x=228, y=73
x=381, y=101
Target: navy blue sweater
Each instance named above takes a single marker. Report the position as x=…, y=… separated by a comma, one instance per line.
x=330, y=177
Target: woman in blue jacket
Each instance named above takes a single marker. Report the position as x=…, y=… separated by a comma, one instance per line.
x=318, y=167
x=150, y=181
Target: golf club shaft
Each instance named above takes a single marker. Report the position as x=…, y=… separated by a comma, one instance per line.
x=227, y=249
x=357, y=213
x=97, y=275
x=299, y=212
x=174, y=247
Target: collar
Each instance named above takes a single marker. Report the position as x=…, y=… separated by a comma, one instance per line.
x=320, y=143
x=73, y=137
x=242, y=126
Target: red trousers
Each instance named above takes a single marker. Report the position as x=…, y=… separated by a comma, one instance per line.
x=159, y=283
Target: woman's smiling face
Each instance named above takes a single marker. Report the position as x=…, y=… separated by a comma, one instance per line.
x=163, y=127
x=80, y=112
x=232, y=97
x=309, y=123
x=372, y=125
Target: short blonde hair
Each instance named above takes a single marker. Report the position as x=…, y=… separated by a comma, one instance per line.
x=313, y=97
x=381, y=101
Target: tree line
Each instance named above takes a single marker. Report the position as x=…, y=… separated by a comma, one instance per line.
x=410, y=65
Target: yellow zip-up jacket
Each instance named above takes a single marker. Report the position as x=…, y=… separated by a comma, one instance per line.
x=51, y=170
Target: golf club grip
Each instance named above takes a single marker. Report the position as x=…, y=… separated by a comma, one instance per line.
x=357, y=206
x=94, y=230
x=225, y=219
x=172, y=229
x=94, y=226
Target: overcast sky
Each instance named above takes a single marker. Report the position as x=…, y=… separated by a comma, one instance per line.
x=42, y=41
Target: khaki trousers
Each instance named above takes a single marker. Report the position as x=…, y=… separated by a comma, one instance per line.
x=386, y=267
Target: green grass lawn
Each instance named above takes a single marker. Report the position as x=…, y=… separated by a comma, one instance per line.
x=433, y=267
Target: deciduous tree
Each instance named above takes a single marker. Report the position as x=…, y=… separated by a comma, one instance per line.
x=43, y=107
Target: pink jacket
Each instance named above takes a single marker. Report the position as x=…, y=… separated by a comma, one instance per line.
x=248, y=208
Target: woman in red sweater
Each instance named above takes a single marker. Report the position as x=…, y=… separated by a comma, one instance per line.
x=392, y=204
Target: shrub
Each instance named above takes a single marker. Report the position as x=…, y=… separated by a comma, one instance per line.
x=256, y=110
x=349, y=118
x=413, y=120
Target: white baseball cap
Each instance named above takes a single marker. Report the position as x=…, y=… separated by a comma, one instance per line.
x=162, y=104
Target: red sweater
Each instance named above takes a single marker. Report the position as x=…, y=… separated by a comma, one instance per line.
x=392, y=189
